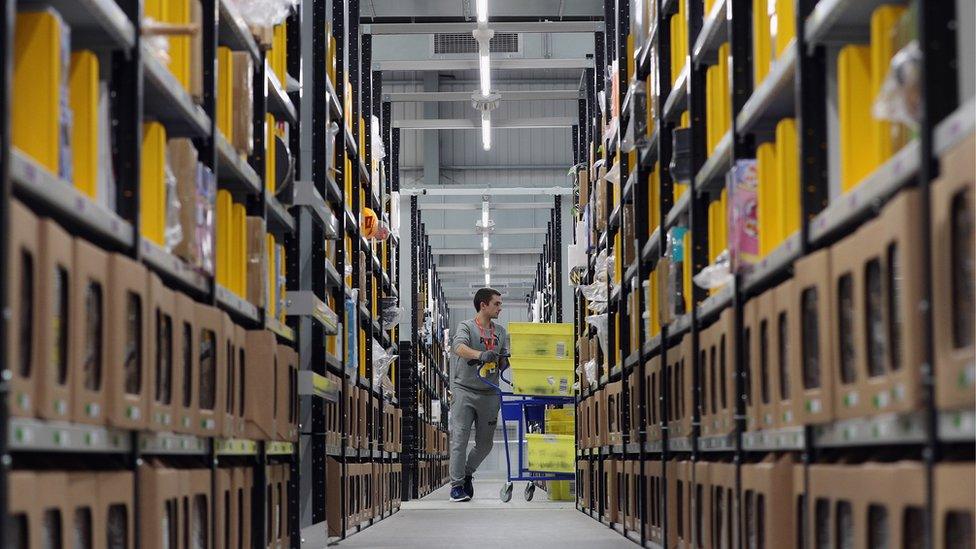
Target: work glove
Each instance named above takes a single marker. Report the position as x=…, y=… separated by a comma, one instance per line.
x=488, y=357
x=502, y=363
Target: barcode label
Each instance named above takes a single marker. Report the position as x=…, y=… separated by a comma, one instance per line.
x=561, y=349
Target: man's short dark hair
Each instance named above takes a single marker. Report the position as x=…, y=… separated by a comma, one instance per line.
x=484, y=295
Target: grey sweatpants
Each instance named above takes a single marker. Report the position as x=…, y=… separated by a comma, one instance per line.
x=477, y=409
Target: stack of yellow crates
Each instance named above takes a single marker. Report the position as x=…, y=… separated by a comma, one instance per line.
x=543, y=358
x=778, y=190
x=84, y=92
x=225, y=91
x=718, y=100
x=554, y=451
x=679, y=41
x=152, y=183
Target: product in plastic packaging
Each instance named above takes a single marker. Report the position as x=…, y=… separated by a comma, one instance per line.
x=381, y=362
x=676, y=252
x=717, y=274
x=265, y=13
x=900, y=97
x=352, y=331
x=743, y=238
x=106, y=175
x=390, y=311
x=173, y=233
x=589, y=370
x=600, y=323
x=395, y=213
x=596, y=296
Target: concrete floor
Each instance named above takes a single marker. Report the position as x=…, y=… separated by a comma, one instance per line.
x=435, y=522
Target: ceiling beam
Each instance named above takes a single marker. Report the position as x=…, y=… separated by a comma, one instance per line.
x=472, y=64
x=446, y=96
x=499, y=26
x=479, y=270
x=487, y=191
x=468, y=124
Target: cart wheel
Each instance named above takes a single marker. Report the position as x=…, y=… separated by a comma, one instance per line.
x=529, y=491
x=505, y=494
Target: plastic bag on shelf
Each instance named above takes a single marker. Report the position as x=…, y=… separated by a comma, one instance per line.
x=613, y=174
x=596, y=296
x=675, y=250
x=376, y=132
x=381, y=362
x=265, y=13
x=206, y=206
x=395, y=213
x=900, y=98
x=390, y=312
x=717, y=274
x=600, y=323
x=173, y=232
x=589, y=370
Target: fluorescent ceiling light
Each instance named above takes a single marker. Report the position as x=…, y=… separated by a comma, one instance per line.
x=484, y=69
x=487, y=279
x=485, y=244
x=487, y=261
x=482, y=11
x=486, y=131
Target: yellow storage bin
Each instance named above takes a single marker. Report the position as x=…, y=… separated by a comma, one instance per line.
x=178, y=13
x=857, y=157
x=769, y=212
x=152, y=188
x=541, y=340
x=788, y=176
x=38, y=73
x=83, y=79
x=225, y=91
x=560, y=421
x=561, y=490
x=270, y=158
x=762, y=48
x=225, y=209
x=551, y=453
x=542, y=376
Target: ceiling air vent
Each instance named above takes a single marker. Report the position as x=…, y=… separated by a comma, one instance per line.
x=460, y=42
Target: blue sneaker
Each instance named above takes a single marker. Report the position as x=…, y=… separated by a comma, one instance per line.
x=469, y=486
x=458, y=494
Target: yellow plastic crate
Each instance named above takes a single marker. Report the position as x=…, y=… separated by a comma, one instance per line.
x=551, y=453
x=538, y=340
x=542, y=376
x=561, y=490
x=560, y=421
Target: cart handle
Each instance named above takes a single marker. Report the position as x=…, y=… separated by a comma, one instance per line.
x=501, y=374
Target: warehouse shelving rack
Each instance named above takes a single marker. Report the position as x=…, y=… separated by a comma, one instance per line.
x=143, y=89
x=796, y=86
x=548, y=272
x=423, y=374
x=323, y=279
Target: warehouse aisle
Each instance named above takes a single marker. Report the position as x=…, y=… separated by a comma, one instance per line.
x=434, y=522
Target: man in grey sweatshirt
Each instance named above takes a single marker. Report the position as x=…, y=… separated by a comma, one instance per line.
x=475, y=403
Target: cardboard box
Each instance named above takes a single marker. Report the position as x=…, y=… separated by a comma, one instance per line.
x=652, y=392
x=351, y=414
x=701, y=506
x=212, y=367
x=951, y=204
x=611, y=488
x=583, y=484
x=613, y=393
x=861, y=501
x=954, y=508
x=45, y=494
x=813, y=373
x=127, y=366
x=724, y=339
x=767, y=494
x=243, y=479
x=679, y=477
x=195, y=487
x=708, y=377
x=116, y=509
x=90, y=332
x=766, y=382
x=888, y=273
x=287, y=393
x=260, y=381
x=333, y=417
x=653, y=485
x=786, y=353
x=634, y=404
x=240, y=378
x=21, y=486
x=227, y=528
x=632, y=472
x=186, y=366
x=243, y=83
x=681, y=373
x=161, y=512
x=24, y=300
x=397, y=484
x=362, y=429
x=750, y=352
x=163, y=355
x=602, y=208
x=724, y=509
x=333, y=473
x=183, y=160
x=228, y=405
x=82, y=506
x=55, y=346
x=583, y=176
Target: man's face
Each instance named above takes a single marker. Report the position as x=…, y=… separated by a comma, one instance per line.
x=494, y=307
